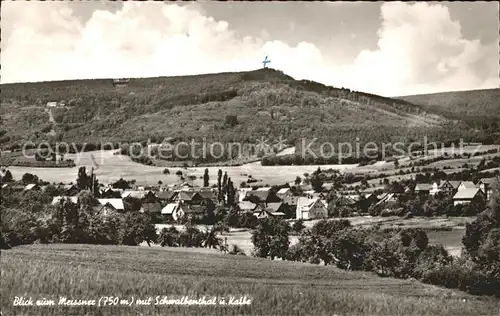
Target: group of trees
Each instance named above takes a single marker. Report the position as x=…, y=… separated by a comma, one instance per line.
x=67, y=222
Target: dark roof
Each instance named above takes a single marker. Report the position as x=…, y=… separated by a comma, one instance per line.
x=261, y=195
x=273, y=207
x=151, y=207
x=189, y=195
x=166, y=195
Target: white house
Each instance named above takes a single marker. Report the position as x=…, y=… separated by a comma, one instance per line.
x=466, y=196
x=310, y=209
x=51, y=104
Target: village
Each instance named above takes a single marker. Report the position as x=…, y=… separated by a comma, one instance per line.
x=299, y=200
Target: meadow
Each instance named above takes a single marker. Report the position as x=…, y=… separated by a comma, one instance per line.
x=274, y=287
x=113, y=167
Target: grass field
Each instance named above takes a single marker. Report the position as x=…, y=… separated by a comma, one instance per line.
x=112, y=167
x=274, y=287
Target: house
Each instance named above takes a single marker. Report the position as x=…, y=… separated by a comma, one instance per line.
x=178, y=210
x=107, y=210
x=284, y=192
x=267, y=213
x=136, y=194
x=247, y=206
x=310, y=209
x=422, y=188
x=290, y=200
x=32, y=187
x=166, y=196
x=449, y=187
x=256, y=196
x=208, y=195
x=110, y=193
x=153, y=207
x=466, y=185
x=57, y=199
x=466, y=196
x=272, y=209
x=242, y=192
x=189, y=197
x=486, y=184
x=117, y=204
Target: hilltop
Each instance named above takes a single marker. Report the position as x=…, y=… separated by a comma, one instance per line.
x=224, y=107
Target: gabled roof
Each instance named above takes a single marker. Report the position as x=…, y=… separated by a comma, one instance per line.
x=188, y=195
x=247, y=206
x=151, y=207
x=261, y=195
x=423, y=187
x=468, y=185
x=305, y=204
x=488, y=181
x=453, y=184
x=270, y=213
x=166, y=195
x=283, y=191
x=57, y=199
x=116, y=203
x=138, y=194
x=466, y=194
x=170, y=208
x=273, y=207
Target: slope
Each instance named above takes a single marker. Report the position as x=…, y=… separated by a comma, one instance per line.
x=460, y=104
x=225, y=107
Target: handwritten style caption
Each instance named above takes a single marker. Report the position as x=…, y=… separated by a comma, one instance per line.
x=135, y=301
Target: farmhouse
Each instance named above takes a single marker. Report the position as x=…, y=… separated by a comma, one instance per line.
x=167, y=196
x=111, y=193
x=268, y=213
x=310, y=209
x=466, y=196
x=189, y=197
x=423, y=188
x=247, y=206
x=154, y=207
x=178, y=210
x=446, y=186
x=107, y=210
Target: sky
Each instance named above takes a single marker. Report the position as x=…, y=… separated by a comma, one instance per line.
x=386, y=48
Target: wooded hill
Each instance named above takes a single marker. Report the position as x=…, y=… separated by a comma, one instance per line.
x=224, y=107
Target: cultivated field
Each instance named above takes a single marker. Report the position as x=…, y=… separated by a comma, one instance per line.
x=274, y=287
x=112, y=167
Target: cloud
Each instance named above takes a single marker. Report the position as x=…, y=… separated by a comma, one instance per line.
x=420, y=49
